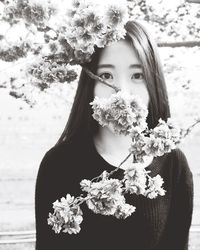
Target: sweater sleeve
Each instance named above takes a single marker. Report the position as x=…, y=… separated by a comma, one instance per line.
x=180, y=217
x=51, y=184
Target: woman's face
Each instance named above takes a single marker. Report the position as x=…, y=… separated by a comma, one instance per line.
x=120, y=66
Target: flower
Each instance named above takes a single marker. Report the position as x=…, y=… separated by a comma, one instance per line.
x=154, y=146
x=137, y=149
x=124, y=210
x=67, y=216
x=116, y=14
x=154, y=187
x=135, y=180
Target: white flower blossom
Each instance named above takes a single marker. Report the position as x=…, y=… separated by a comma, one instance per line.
x=135, y=180
x=124, y=210
x=154, y=187
x=67, y=216
x=116, y=14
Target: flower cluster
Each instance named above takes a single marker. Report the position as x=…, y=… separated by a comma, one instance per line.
x=121, y=111
x=50, y=72
x=88, y=27
x=105, y=197
x=33, y=12
x=168, y=130
x=158, y=141
x=67, y=215
x=163, y=138
x=126, y=114
x=137, y=181
x=14, y=53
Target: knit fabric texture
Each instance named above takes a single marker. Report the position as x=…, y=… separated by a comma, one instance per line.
x=157, y=224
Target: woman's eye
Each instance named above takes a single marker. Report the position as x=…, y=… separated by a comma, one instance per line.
x=106, y=76
x=138, y=76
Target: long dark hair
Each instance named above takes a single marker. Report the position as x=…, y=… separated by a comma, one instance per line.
x=81, y=124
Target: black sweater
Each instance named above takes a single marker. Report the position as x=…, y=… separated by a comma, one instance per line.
x=158, y=224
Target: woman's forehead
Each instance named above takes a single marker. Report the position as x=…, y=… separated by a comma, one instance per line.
x=119, y=53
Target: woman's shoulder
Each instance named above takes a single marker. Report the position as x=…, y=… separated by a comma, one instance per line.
x=62, y=150
x=55, y=152
x=180, y=164
x=57, y=158
x=179, y=158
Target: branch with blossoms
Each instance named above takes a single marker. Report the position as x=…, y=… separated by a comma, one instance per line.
x=104, y=197
x=127, y=115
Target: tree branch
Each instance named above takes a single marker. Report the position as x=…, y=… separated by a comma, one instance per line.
x=193, y=1
x=188, y=130
x=179, y=44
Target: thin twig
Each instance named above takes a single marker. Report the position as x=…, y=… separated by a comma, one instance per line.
x=188, y=130
x=83, y=200
x=120, y=164
x=98, y=177
x=95, y=77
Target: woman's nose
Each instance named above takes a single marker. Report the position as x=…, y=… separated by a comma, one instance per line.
x=125, y=86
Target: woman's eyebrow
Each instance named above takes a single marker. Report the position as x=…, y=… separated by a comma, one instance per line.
x=112, y=66
x=106, y=66
x=135, y=66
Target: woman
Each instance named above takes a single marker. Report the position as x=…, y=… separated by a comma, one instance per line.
x=85, y=150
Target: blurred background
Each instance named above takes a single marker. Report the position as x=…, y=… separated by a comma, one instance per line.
x=36, y=97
